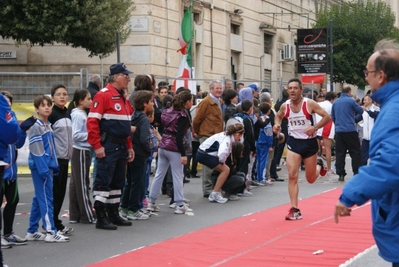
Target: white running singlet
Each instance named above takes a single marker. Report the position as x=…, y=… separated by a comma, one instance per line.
x=298, y=122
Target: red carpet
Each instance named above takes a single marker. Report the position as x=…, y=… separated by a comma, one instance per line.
x=265, y=239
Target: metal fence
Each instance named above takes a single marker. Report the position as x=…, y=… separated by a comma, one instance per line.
x=25, y=86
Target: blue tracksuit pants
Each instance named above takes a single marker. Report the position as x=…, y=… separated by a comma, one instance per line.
x=262, y=154
x=42, y=203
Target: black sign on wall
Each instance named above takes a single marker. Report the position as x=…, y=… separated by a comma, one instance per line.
x=312, y=50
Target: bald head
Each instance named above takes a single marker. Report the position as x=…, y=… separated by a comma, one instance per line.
x=95, y=78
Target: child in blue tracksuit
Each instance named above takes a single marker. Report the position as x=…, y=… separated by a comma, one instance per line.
x=43, y=165
x=264, y=143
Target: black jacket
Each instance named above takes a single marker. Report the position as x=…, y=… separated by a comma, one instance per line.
x=141, y=138
x=93, y=89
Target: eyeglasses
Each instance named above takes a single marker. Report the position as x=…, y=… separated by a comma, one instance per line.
x=61, y=94
x=366, y=72
x=125, y=75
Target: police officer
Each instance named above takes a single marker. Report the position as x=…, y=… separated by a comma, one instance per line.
x=109, y=128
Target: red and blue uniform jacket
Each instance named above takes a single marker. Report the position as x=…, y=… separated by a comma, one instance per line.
x=109, y=117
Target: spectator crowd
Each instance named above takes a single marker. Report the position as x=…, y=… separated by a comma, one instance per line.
x=238, y=135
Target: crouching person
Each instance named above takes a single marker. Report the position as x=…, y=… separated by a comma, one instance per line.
x=213, y=153
x=236, y=181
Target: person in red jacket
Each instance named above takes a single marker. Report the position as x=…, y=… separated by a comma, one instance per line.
x=109, y=129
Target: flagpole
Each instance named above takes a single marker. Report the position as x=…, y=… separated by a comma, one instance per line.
x=192, y=37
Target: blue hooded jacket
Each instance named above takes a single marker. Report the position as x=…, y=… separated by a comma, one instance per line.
x=10, y=174
x=9, y=126
x=379, y=181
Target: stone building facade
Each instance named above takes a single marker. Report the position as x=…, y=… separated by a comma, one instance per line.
x=251, y=40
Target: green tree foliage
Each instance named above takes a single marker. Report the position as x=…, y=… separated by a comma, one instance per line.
x=91, y=24
x=357, y=27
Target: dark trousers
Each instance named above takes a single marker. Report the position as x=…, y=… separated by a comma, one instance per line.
x=10, y=191
x=347, y=141
x=133, y=192
x=365, y=151
x=244, y=161
x=59, y=190
x=1, y=183
x=80, y=205
x=233, y=185
x=194, y=162
x=110, y=176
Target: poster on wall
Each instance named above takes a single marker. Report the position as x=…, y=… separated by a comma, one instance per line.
x=312, y=50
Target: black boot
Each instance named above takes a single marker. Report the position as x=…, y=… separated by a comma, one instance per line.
x=341, y=178
x=102, y=218
x=115, y=218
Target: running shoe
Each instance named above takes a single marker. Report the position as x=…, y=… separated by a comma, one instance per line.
x=153, y=207
x=36, y=236
x=331, y=172
x=217, y=197
x=182, y=209
x=138, y=215
x=123, y=212
x=66, y=231
x=323, y=170
x=233, y=197
x=56, y=238
x=246, y=193
x=5, y=244
x=266, y=182
x=294, y=214
x=15, y=240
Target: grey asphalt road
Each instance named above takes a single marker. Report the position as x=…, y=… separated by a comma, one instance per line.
x=89, y=245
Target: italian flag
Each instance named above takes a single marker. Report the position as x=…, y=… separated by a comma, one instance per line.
x=186, y=70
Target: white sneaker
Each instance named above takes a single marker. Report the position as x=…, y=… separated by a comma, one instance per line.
x=217, y=197
x=123, y=212
x=138, y=215
x=246, y=193
x=56, y=238
x=182, y=209
x=14, y=240
x=173, y=205
x=233, y=198
x=5, y=244
x=66, y=231
x=331, y=172
x=36, y=236
x=185, y=200
x=153, y=207
x=266, y=182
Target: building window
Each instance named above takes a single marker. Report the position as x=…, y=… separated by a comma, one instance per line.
x=235, y=29
x=197, y=17
x=267, y=79
x=267, y=43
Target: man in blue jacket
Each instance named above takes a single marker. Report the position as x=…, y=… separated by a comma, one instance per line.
x=379, y=181
x=343, y=113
